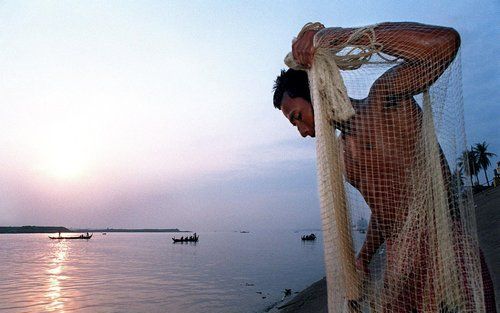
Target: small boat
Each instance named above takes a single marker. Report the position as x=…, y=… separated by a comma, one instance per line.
x=72, y=237
x=187, y=239
x=310, y=237
x=244, y=232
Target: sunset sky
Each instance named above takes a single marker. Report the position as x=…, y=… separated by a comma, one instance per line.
x=159, y=113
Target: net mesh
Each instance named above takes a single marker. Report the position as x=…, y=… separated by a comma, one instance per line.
x=399, y=227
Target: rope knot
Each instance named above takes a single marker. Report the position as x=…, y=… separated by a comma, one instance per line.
x=324, y=75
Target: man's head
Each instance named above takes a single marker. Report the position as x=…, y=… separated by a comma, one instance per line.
x=292, y=97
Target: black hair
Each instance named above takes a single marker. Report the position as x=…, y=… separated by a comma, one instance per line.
x=295, y=83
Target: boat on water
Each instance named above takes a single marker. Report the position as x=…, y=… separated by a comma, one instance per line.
x=72, y=237
x=310, y=237
x=193, y=238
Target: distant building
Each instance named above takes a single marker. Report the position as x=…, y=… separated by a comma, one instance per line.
x=362, y=225
x=496, y=178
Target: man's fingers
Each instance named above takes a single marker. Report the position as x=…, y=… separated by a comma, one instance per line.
x=298, y=53
x=306, y=57
x=303, y=51
x=295, y=50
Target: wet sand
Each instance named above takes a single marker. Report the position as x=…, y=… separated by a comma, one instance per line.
x=313, y=298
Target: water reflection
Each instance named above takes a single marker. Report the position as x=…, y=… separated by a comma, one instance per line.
x=145, y=272
x=55, y=271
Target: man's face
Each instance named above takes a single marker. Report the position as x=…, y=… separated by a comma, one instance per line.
x=300, y=113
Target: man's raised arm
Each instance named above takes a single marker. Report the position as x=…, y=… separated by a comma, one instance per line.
x=425, y=51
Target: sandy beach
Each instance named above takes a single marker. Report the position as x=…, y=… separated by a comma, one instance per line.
x=313, y=298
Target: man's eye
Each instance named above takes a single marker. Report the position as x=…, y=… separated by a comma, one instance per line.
x=299, y=117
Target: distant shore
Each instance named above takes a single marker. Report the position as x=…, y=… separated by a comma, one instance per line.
x=56, y=229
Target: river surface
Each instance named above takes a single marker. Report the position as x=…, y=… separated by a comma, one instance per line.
x=146, y=272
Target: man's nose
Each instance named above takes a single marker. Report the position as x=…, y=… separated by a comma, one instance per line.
x=302, y=130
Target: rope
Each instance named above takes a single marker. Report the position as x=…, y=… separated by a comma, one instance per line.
x=331, y=103
x=328, y=61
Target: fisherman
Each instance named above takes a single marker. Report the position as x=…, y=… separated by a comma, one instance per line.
x=380, y=139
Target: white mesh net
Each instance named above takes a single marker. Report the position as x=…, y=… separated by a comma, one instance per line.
x=391, y=162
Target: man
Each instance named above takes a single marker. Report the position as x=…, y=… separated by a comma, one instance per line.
x=381, y=140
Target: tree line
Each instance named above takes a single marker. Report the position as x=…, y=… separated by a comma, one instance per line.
x=473, y=160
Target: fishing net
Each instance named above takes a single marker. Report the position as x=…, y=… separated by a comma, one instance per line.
x=390, y=133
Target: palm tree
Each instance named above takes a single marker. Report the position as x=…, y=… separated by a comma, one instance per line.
x=468, y=164
x=458, y=177
x=457, y=184
x=483, y=157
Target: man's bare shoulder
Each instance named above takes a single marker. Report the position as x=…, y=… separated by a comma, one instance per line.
x=387, y=103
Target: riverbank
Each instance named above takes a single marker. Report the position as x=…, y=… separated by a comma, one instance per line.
x=33, y=229
x=60, y=229
x=313, y=298
x=310, y=300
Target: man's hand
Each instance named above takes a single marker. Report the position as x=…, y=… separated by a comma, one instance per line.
x=303, y=48
x=362, y=266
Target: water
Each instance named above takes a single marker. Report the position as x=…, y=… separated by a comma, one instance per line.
x=145, y=272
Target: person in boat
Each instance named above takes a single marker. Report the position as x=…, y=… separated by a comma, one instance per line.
x=182, y=238
x=388, y=115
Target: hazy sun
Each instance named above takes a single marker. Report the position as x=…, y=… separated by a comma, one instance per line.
x=68, y=162
x=65, y=154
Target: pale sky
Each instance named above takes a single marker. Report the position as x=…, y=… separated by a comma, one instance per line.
x=159, y=113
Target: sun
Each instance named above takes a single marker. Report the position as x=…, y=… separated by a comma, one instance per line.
x=65, y=154
x=68, y=162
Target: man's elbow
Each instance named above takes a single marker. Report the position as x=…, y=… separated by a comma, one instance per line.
x=453, y=39
x=440, y=45
x=444, y=46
